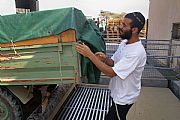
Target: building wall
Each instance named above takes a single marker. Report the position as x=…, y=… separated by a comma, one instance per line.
x=162, y=13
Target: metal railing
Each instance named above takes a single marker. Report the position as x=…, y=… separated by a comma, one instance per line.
x=163, y=57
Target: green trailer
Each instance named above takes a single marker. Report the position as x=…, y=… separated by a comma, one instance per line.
x=37, y=53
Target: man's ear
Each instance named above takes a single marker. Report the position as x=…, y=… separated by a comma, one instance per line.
x=135, y=30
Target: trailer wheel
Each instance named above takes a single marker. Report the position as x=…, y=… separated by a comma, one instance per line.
x=10, y=107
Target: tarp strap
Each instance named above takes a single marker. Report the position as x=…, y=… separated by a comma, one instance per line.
x=59, y=58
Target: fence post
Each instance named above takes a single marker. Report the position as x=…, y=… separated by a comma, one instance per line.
x=169, y=53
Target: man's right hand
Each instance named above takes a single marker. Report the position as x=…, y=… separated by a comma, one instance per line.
x=101, y=56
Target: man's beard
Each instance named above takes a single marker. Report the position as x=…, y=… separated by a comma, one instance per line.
x=126, y=34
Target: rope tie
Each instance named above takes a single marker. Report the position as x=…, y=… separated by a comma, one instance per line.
x=15, y=52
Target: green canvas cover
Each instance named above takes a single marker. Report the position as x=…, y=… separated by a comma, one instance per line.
x=19, y=27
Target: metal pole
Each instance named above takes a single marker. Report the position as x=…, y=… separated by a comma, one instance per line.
x=169, y=53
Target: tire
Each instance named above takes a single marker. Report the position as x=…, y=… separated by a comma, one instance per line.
x=10, y=106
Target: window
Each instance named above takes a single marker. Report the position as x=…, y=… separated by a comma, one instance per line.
x=176, y=31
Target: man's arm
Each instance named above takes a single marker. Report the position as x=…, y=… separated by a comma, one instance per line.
x=85, y=51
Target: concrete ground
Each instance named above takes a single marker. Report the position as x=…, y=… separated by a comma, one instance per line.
x=155, y=104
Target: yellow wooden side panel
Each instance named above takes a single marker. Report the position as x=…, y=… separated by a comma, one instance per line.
x=66, y=36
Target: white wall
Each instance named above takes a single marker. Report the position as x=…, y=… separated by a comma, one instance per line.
x=162, y=13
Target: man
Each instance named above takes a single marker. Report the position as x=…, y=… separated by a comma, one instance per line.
x=125, y=66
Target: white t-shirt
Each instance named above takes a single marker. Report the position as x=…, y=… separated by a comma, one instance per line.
x=129, y=62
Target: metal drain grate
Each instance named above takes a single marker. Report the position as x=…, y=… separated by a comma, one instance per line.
x=86, y=104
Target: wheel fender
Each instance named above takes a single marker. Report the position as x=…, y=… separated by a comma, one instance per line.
x=21, y=92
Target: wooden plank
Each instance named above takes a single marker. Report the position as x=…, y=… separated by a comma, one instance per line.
x=66, y=36
x=36, y=41
x=41, y=57
x=39, y=82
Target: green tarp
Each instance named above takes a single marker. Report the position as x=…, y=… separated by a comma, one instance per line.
x=25, y=26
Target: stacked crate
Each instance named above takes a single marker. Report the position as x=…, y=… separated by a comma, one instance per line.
x=112, y=27
x=113, y=31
